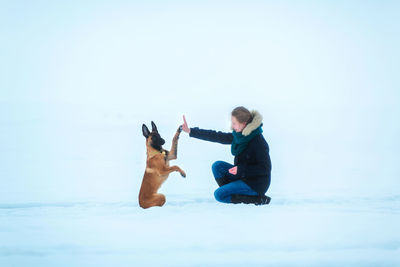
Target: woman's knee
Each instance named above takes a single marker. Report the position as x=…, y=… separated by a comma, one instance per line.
x=217, y=164
x=216, y=168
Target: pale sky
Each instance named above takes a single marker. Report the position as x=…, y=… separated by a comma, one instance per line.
x=78, y=79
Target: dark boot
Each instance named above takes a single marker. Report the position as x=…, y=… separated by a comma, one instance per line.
x=222, y=181
x=264, y=200
x=247, y=199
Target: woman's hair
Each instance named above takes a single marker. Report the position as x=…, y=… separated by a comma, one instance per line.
x=242, y=114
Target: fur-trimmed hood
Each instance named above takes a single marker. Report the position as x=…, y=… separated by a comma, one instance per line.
x=254, y=124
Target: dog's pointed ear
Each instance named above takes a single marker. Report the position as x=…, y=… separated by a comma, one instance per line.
x=145, y=131
x=153, y=127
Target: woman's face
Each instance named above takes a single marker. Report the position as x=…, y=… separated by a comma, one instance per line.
x=236, y=125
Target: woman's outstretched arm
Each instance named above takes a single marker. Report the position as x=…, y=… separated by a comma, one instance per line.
x=207, y=135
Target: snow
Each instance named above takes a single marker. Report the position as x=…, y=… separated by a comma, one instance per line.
x=78, y=79
x=195, y=230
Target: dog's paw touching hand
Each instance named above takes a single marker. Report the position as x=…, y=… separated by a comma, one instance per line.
x=179, y=129
x=183, y=174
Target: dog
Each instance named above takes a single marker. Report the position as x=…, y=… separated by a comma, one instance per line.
x=157, y=166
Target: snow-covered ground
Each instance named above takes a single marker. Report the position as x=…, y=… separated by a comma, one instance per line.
x=78, y=79
x=194, y=230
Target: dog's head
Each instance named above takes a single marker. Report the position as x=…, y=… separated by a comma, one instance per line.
x=153, y=138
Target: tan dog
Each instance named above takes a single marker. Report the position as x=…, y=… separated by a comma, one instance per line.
x=157, y=166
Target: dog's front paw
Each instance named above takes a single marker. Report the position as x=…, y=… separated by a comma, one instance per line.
x=179, y=129
x=183, y=174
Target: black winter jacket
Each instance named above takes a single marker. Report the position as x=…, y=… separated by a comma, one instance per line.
x=254, y=163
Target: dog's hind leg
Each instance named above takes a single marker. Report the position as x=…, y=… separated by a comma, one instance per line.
x=155, y=200
x=158, y=200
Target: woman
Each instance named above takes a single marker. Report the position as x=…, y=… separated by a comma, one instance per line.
x=249, y=178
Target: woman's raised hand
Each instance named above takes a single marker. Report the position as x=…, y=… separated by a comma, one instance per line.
x=185, y=126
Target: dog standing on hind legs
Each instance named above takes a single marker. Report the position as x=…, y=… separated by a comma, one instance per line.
x=157, y=166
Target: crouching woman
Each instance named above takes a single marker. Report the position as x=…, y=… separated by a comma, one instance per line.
x=248, y=179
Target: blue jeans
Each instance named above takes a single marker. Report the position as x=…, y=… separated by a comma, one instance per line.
x=223, y=194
